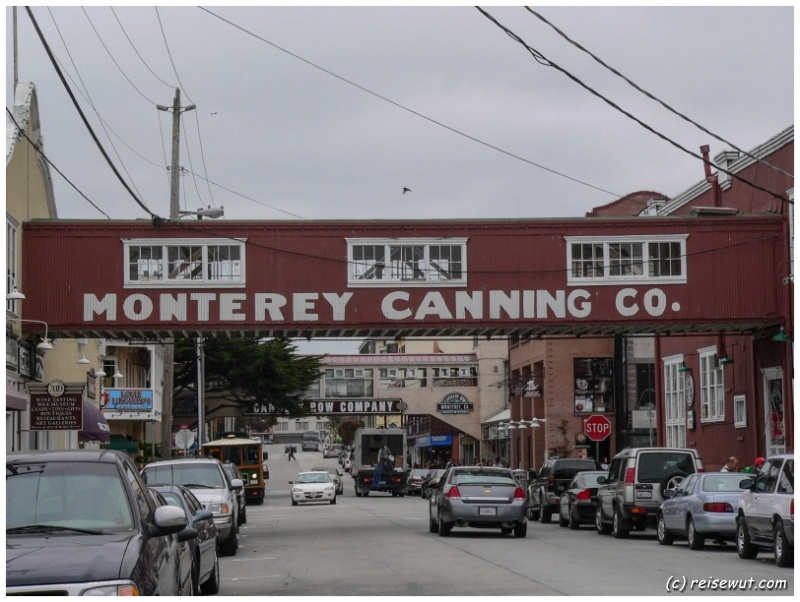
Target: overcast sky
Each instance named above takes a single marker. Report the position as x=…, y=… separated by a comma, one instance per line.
x=328, y=113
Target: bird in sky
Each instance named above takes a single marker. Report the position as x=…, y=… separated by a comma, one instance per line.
x=405, y=190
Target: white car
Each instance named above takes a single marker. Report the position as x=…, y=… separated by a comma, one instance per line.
x=313, y=486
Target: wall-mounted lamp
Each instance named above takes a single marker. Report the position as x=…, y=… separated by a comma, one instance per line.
x=683, y=368
x=83, y=361
x=782, y=337
x=45, y=345
x=15, y=295
x=725, y=360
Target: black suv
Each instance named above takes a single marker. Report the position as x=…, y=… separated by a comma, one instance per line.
x=546, y=487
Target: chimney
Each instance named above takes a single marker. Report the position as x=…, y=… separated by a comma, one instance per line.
x=709, y=176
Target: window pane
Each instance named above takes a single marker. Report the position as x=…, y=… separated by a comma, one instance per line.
x=587, y=260
x=664, y=259
x=445, y=263
x=185, y=262
x=145, y=263
x=224, y=263
x=625, y=259
x=369, y=262
x=407, y=262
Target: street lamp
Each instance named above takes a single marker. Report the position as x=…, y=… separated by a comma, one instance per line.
x=45, y=345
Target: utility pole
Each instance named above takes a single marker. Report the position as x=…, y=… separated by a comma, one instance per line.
x=174, y=208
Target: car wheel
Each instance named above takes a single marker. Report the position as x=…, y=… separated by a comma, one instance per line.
x=695, y=540
x=294, y=502
x=230, y=545
x=333, y=501
x=195, y=574
x=521, y=530
x=617, y=528
x=243, y=515
x=599, y=525
x=444, y=528
x=784, y=552
x=211, y=586
x=574, y=523
x=562, y=520
x=433, y=526
x=665, y=538
x=671, y=481
x=744, y=548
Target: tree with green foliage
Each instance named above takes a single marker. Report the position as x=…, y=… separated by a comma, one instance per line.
x=347, y=429
x=244, y=371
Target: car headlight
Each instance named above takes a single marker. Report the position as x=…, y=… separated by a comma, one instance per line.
x=329, y=487
x=222, y=508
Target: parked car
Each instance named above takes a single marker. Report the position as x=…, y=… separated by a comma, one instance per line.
x=199, y=554
x=579, y=502
x=703, y=506
x=630, y=496
x=765, y=519
x=233, y=472
x=431, y=480
x=546, y=486
x=82, y=523
x=336, y=476
x=206, y=479
x=414, y=481
x=333, y=450
x=313, y=487
x=478, y=496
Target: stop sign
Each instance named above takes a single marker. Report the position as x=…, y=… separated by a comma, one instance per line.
x=597, y=427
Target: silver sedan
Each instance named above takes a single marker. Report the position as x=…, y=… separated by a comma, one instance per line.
x=478, y=496
x=703, y=506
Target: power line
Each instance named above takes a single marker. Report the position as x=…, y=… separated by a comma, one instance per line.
x=656, y=99
x=53, y=165
x=407, y=109
x=540, y=58
x=83, y=116
x=137, y=52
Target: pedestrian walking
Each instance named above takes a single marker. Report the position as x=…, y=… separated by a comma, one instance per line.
x=292, y=449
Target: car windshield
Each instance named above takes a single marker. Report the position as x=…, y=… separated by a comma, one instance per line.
x=654, y=466
x=193, y=476
x=318, y=477
x=82, y=496
x=590, y=479
x=724, y=483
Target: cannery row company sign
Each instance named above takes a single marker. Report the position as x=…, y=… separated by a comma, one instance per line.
x=344, y=277
x=455, y=403
x=56, y=406
x=328, y=407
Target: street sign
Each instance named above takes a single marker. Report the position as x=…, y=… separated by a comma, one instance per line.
x=597, y=427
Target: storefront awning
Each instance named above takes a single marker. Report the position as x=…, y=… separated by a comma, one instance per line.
x=501, y=416
x=16, y=401
x=122, y=443
x=95, y=426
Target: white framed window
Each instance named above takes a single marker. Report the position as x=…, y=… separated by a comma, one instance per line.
x=712, y=386
x=184, y=263
x=12, y=233
x=626, y=259
x=739, y=411
x=674, y=402
x=407, y=261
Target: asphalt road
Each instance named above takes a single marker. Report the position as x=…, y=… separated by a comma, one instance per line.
x=380, y=545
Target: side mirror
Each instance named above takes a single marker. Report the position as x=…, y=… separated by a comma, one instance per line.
x=747, y=484
x=602, y=480
x=237, y=484
x=668, y=493
x=291, y=482
x=203, y=515
x=187, y=534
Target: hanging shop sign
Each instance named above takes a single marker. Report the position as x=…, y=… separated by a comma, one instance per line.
x=126, y=400
x=56, y=406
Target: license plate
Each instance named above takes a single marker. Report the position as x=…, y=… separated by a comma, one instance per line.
x=644, y=495
x=487, y=511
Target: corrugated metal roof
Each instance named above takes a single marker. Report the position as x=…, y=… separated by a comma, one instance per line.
x=387, y=359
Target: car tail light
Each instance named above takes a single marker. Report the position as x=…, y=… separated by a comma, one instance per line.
x=519, y=494
x=453, y=493
x=717, y=507
x=629, y=476
x=584, y=494
x=551, y=480
x=791, y=509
